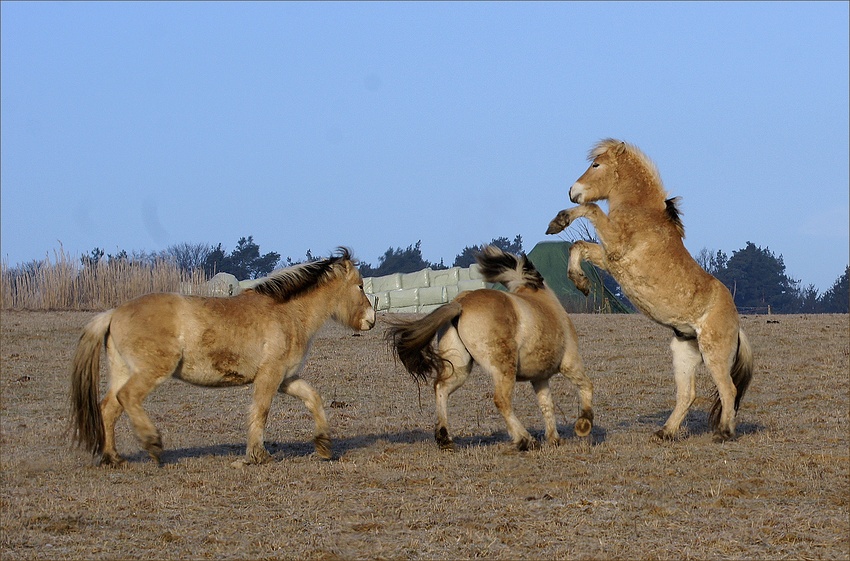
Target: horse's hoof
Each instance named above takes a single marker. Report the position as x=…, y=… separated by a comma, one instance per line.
x=527, y=444
x=554, y=442
x=723, y=436
x=441, y=435
x=323, y=447
x=559, y=223
x=583, y=427
x=662, y=435
x=112, y=461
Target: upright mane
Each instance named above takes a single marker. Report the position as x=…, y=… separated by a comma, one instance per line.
x=671, y=204
x=286, y=284
x=513, y=271
x=619, y=146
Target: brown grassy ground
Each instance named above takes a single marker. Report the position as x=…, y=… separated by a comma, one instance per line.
x=781, y=491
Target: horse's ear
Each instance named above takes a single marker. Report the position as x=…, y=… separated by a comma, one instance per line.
x=620, y=148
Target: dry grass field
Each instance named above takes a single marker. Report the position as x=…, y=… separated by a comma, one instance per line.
x=781, y=491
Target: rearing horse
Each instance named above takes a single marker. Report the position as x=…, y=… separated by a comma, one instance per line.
x=260, y=336
x=642, y=248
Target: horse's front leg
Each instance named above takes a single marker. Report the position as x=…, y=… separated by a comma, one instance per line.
x=264, y=390
x=585, y=251
x=547, y=408
x=297, y=387
x=567, y=216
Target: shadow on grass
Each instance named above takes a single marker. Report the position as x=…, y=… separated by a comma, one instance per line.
x=282, y=450
x=695, y=423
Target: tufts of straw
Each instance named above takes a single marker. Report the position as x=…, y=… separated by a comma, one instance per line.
x=63, y=283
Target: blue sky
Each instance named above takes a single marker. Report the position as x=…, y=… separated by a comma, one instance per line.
x=137, y=126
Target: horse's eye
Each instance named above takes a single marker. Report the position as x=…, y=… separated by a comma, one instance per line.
x=594, y=165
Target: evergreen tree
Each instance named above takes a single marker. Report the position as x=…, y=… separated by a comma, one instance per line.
x=757, y=279
x=467, y=256
x=836, y=300
x=244, y=262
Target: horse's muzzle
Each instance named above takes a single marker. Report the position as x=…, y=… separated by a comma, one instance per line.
x=576, y=193
x=368, y=322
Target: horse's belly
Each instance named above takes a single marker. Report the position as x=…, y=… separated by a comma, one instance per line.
x=212, y=376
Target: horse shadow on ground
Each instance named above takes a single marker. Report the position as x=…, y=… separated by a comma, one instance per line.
x=696, y=423
x=282, y=450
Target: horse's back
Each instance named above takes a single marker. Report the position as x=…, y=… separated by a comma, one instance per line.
x=532, y=327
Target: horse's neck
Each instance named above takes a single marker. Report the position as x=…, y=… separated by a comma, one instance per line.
x=636, y=192
x=315, y=308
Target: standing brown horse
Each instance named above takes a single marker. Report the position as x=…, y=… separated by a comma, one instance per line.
x=523, y=334
x=261, y=336
x=642, y=248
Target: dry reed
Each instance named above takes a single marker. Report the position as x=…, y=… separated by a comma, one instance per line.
x=64, y=283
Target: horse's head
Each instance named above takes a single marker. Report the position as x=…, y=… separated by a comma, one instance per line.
x=353, y=307
x=599, y=179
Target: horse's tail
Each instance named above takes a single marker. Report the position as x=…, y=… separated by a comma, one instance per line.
x=86, y=421
x=513, y=271
x=411, y=340
x=742, y=373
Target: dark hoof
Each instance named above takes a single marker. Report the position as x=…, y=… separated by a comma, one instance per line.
x=723, y=436
x=663, y=436
x=323, y=447
x=527, y=444
x=112, y=461
x=441, y=435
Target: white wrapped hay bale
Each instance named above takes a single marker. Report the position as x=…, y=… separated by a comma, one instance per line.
x=471, y=285
x=418, y=279
x=445, y=277
x=475, y=272
x=367, y=285
x=223, y=284
x=404, y=298
x=386, y=283
x=431, y=295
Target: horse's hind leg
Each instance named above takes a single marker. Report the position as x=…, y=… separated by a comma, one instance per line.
x=686, y=359
x=111, y=408
x=297, y=387
x=504, y=381
x=130, y=397
x=452, y=376
x=547, y=408
x=719, y=348
x=573, y=370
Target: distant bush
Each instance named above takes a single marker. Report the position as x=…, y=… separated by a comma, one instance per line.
x=66, y=283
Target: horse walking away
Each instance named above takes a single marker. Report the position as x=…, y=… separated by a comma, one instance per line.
x=520, y=335
x=260, y=336
x=641, y=246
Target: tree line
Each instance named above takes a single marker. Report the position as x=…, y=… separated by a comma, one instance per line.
x=755, y=276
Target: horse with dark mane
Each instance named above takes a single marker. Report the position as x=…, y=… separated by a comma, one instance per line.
x=260, y=336
x=641, y=246
x=520, y=335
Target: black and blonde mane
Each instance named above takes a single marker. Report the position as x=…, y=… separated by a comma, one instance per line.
x=513, y=271
x=671, y=204
x=674, y=215
x=286, y=284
